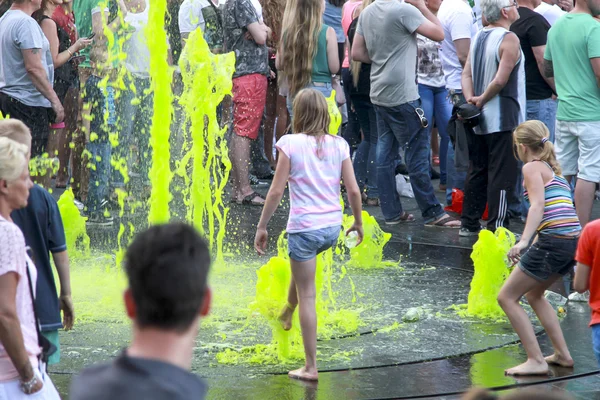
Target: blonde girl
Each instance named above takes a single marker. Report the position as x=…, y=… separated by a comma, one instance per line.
x=312, y=163
x=553, y=223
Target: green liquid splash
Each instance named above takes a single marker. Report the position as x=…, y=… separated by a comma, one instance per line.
x=78, y=242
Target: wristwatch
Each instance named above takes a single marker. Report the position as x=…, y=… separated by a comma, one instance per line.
x=27, y=387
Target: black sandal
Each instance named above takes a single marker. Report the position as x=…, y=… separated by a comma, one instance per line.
x=248, y=200
x=442, y=223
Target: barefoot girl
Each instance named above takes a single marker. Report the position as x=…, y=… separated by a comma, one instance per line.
x=312, y=162
x=552, y=216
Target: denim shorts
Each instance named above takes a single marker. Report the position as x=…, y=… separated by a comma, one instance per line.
x=304, y=246
x=548, y=256
x=596, y=341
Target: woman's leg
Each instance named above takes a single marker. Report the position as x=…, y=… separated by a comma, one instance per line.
x=549, y=320
x=304, y=276
x=516, y=286
x=442, y=112
x=271, y=115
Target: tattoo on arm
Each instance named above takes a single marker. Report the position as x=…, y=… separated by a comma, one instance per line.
x=35, y=51
x=548, y=69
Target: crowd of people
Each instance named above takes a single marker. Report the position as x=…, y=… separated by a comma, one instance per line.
x=502, y=96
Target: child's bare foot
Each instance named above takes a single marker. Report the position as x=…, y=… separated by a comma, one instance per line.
x=304, y=374
x=559, y=360
x=529, y=367
x=285, y=318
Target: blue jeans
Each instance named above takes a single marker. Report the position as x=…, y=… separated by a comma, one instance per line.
x=135, y=121
x=436, y=104
x=325, y=88
x=99, y=161
x=304, y=246
x=596, y=341
x=365, y=158
x=545, y=111
x=400, y=126
x=352, y=131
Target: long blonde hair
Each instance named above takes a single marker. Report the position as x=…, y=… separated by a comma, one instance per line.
x=13, y=159
x=535, y=136
x=311, y=115
x=355, y=66
x=302, y=23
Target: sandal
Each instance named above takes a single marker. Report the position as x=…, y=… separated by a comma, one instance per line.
x=443, y=223
x=372, y=201
x=404, y=217
x=248, y=200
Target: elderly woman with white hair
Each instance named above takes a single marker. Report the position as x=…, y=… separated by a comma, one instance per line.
x=22, y=373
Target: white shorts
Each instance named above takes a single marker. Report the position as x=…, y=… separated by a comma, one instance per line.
x=578, y=149
x=12, y=391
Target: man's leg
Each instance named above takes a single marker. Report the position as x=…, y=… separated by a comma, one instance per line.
x=407, y=129
x=588, y=136
x=476, y=184
x=547, y=115
x=502, y=174
x=260, y=164
x=387, y=152
x=240, y=159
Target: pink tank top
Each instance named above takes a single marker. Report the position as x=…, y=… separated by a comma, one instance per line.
x=346, y=21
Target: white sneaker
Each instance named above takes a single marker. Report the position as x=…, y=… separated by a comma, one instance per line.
x=78, y=204
x=580, y=297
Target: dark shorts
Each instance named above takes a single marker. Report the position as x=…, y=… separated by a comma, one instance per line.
x=37, y=120
x=550, y=255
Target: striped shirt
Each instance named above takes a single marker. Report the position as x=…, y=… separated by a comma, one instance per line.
x=314, y=181
x=506, y=110
x=559, y=217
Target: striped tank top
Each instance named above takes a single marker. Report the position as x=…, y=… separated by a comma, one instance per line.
x=559, y=217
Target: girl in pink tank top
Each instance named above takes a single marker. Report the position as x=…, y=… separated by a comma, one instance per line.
x=347, y=17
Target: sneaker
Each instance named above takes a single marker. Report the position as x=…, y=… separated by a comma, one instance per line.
x=580, y=297
x=99, y=219
x=253, y=179
x=80, y=206
x=464, y=232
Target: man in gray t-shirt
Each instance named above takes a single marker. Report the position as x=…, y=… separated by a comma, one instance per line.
x=27, y=74
x=386, y=39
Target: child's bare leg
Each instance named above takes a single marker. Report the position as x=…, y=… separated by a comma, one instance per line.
x=285, y=317
x=549, y=320
x=516, y=286
x=304, y=275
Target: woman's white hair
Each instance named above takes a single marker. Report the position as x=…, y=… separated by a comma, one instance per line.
x=13, y=159
x=492, y=9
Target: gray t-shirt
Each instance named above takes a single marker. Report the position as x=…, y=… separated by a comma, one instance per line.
x=388, y=27
x=18, y=31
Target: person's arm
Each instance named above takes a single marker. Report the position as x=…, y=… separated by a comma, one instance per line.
x=282, y=173
x=32, y=59
x=581, y=282
x=100, y=18
x=538, y=53
x=510, y=52
x=279, y=59
x=359, y=49
x=61, y=261
x=430, y=28
x=60, y=59
x=11, y=335
x=463, y=47
x=259, y=32
x=596, y=67
x=332, y=52
x=534, y=182
x=354, y=197
x=467, y=80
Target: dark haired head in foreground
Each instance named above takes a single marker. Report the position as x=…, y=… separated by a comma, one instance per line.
x=167, y=268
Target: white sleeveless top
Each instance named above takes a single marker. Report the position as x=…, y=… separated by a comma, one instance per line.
x=508, y=109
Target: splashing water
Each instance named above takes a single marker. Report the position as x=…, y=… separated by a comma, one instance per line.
x=491, y=270
x=78, y=242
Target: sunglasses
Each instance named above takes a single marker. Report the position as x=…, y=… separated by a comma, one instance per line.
x=421, y=115
x=514, y=4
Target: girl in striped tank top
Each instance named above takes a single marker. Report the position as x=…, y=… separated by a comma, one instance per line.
x=554, y=226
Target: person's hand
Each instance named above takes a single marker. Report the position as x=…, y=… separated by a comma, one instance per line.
x=419, y=4
x=358, y=228
x=59, y=111
x=514, y=255
x=566, y=5
x=39, y=384
x=82, y=43
x=248, y=36
x=477, y=101
x=66, y=305
x=260, y=241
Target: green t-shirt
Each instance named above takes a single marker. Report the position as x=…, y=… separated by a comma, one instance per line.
x=572, y=41
x=83, y=10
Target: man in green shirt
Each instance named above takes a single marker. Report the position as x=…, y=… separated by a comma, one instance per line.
x=572, y=57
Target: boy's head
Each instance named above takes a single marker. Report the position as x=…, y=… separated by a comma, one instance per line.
x=98, y=57
x=15, y=130
x=167, y=268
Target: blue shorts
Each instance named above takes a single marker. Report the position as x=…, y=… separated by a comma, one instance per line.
x=304, y=246
x=596, y=341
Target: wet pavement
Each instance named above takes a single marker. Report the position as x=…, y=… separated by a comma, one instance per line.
x=441, y=355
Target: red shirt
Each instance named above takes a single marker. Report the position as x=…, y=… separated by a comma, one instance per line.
x=588, y=253
x=66, y=21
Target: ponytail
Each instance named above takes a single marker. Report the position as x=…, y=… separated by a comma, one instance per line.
x=535, y=136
